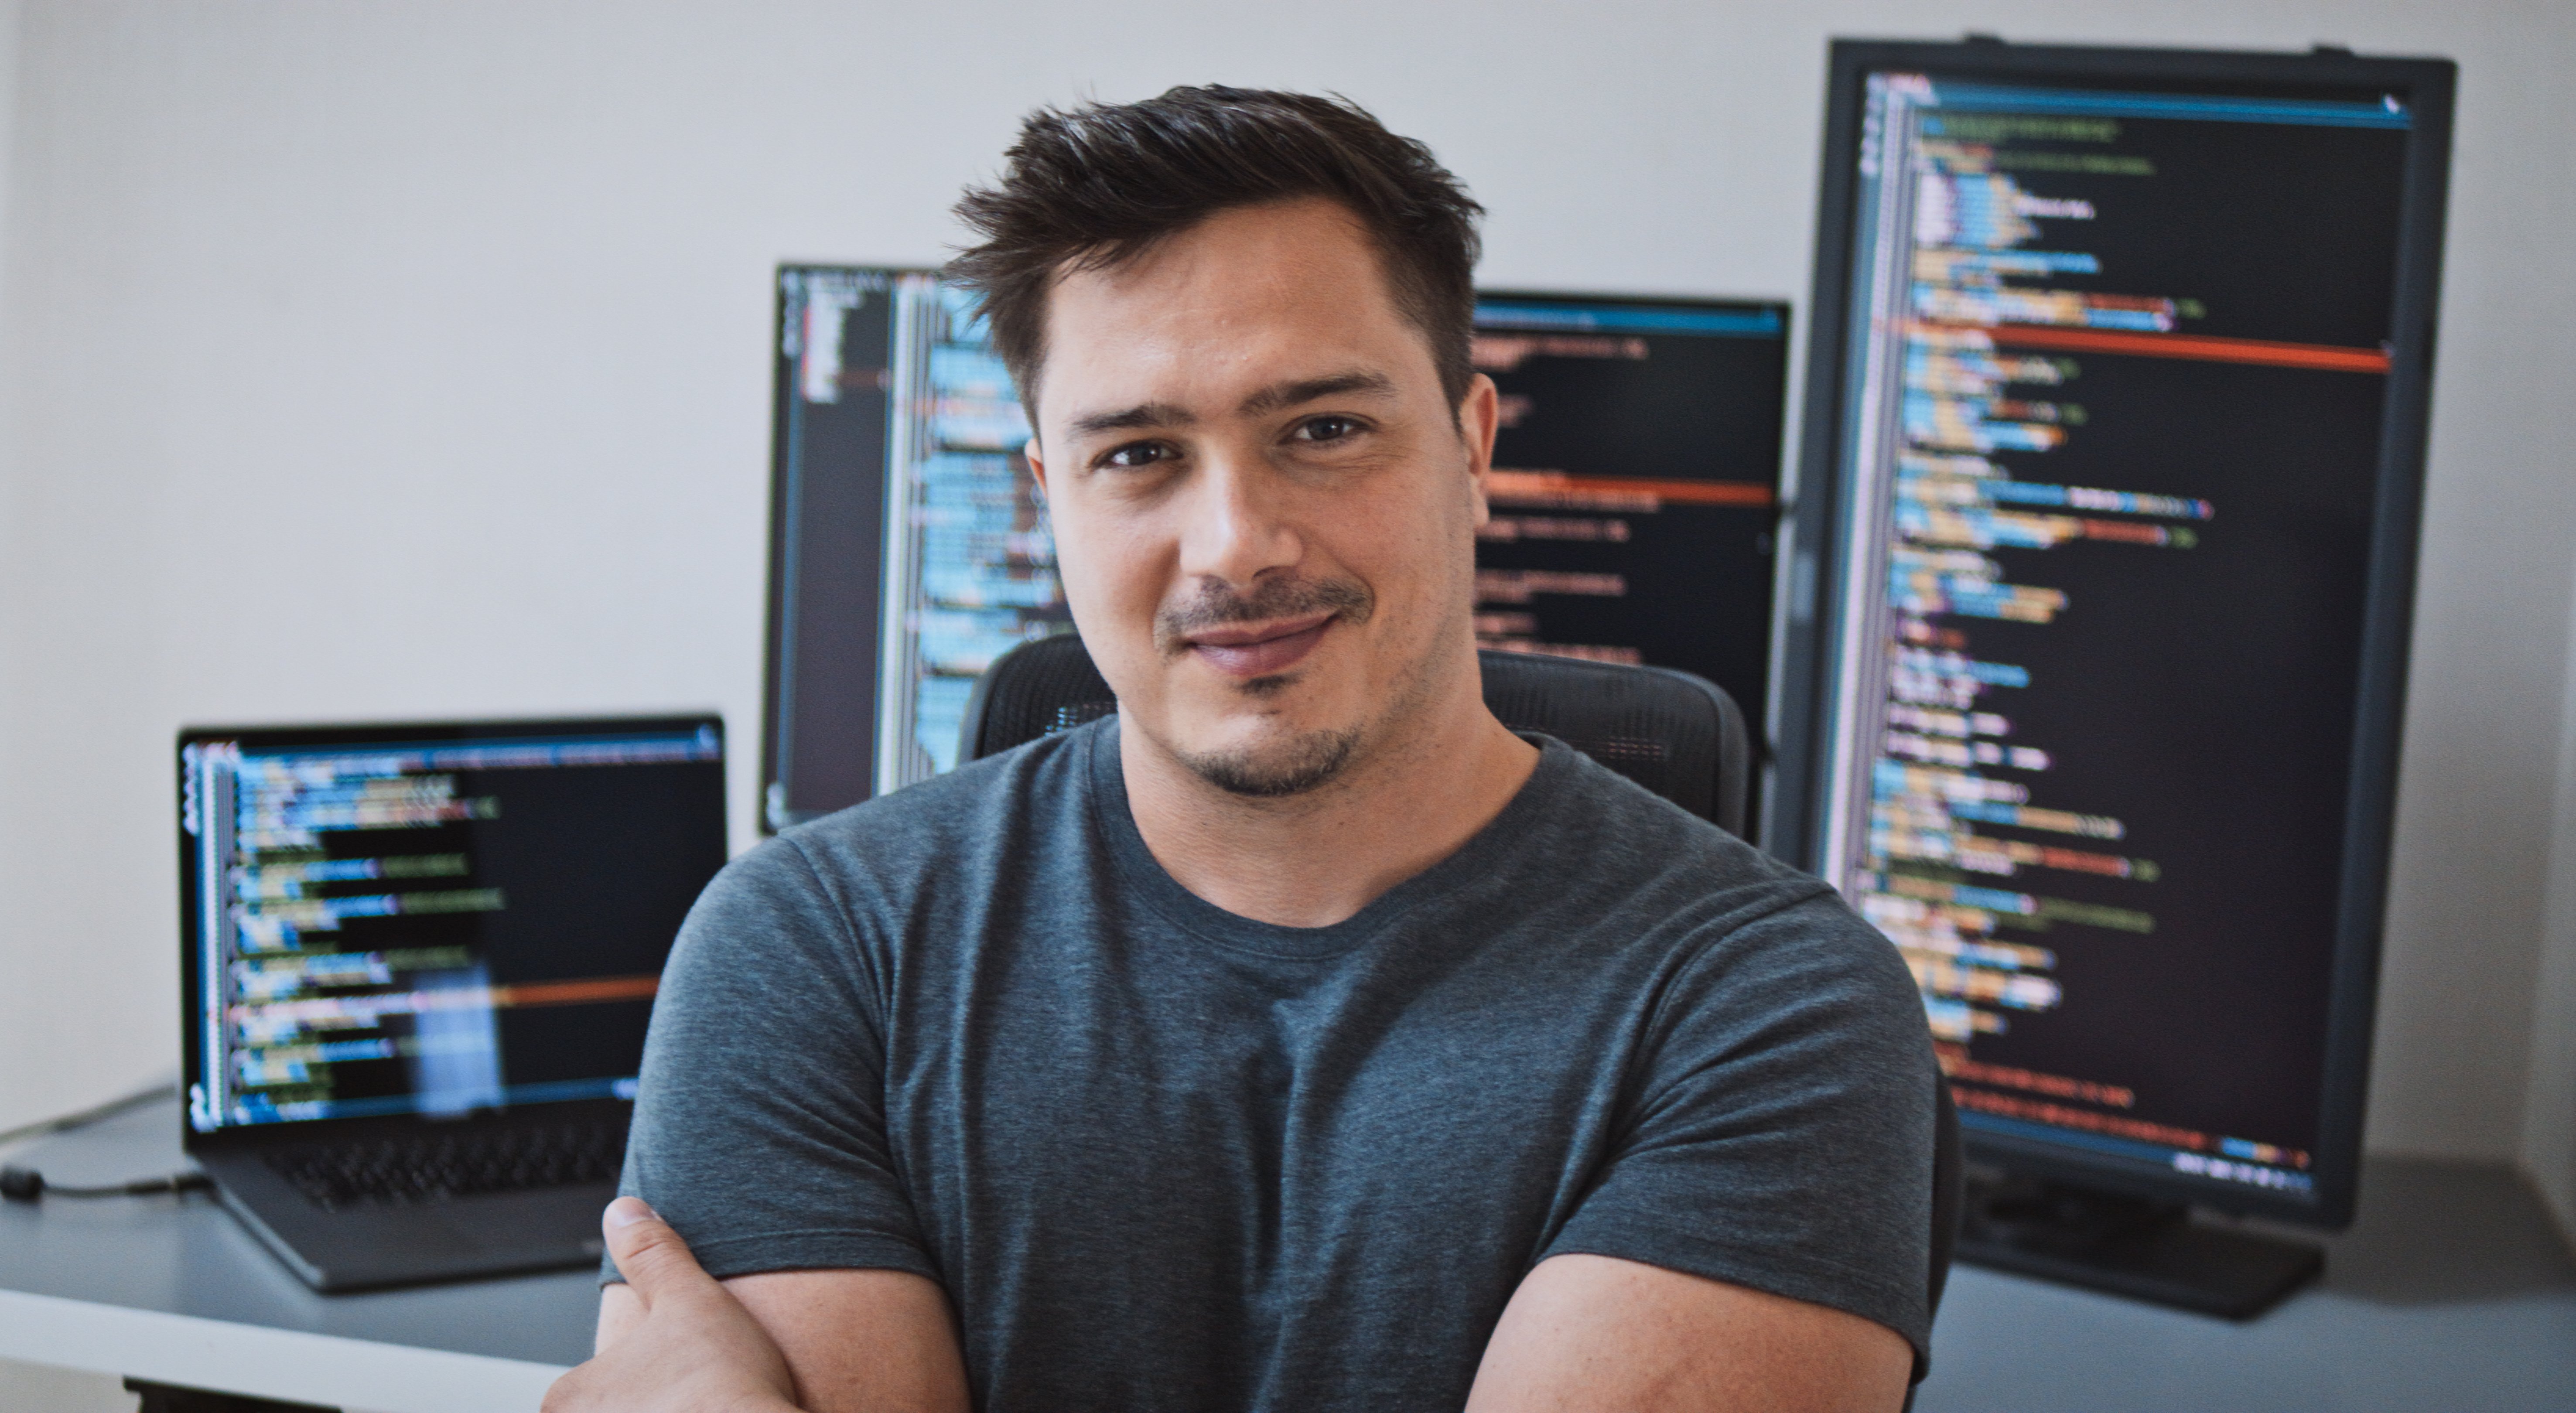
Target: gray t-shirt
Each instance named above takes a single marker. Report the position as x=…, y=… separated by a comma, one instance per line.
x=1165, y=1157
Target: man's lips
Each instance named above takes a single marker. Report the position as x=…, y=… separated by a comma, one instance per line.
x=1257, y=650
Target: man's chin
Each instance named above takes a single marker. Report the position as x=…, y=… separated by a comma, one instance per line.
x=1276, y=769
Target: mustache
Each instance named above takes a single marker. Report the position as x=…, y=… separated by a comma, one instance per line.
x=1216, y=605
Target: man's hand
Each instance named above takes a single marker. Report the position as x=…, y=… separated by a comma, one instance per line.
x=694, y=1348
x=672, y=1340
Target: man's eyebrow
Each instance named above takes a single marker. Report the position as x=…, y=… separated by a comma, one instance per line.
x=1282, y=395
x=1142, y=415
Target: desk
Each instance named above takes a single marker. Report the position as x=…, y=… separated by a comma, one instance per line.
x=173, y=1290
x=2012, y=1346
x=2449, y=1293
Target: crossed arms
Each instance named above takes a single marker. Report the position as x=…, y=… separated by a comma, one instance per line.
x=1581, y=1333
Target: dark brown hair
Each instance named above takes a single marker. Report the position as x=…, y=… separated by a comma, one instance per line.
x=1091, y=187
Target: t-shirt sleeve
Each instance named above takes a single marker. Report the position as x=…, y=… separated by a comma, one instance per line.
x=759, y=1129
x=1780, y=1128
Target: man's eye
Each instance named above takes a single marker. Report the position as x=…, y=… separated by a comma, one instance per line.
x=1136, y=454
x=1327, y=429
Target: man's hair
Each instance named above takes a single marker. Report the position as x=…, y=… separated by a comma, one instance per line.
x=1095, y=186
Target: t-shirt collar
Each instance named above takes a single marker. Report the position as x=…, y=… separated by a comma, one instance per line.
x=1519, y=829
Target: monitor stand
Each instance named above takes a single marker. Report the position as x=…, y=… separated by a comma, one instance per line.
x=2132, y=1246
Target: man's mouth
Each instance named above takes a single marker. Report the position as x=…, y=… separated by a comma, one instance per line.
x=1259, y=649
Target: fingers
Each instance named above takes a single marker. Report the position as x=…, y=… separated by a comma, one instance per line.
x=652, y=1257
x=672, y=1340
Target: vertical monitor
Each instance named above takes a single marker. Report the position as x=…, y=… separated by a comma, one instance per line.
x=2112, y=461
x=1636, y=483
x=908, y=544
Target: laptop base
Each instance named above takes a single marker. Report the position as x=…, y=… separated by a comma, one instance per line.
x=378, y=1245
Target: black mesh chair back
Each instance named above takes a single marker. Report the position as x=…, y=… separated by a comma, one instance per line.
x=1035, y=689
x=1676, y=734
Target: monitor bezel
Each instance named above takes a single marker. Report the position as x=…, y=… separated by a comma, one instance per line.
x=191, y=1033
x=1817, y=528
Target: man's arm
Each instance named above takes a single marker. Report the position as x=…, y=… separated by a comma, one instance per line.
x=854, y=1341
x=1588, y=1333
x=674, y=1340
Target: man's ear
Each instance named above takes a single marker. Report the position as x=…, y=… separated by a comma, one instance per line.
x=1480, y=416
x=1037, y=463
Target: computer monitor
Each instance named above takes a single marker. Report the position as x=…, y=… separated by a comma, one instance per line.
x=908, y=543
x=2103, y=562
x=1636, y=483
x=435, y=919
x=1634, y=509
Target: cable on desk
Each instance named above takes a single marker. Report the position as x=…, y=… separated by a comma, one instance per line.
x=29, y=1185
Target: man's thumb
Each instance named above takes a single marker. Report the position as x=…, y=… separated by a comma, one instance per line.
x=652, y=1257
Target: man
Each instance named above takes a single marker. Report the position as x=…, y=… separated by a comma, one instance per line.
x=1299, y=1038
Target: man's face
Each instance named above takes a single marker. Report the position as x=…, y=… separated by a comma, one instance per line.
x=1264, y=507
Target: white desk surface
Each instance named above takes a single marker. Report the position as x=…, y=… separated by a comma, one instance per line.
x=173, y=1290
x=2450, y=1293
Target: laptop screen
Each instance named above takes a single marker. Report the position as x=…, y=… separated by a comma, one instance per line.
x=433, y=919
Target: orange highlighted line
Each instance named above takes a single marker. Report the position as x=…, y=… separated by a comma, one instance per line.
x=575, y=993
x=1956, y=1064
x=1510, y=483
x=2040, y=1111
x=2215, y=350
x=2124, y=531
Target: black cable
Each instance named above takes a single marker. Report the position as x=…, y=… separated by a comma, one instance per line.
x=29, y=1185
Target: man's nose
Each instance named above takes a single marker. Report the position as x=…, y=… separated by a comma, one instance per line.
x=1236, y=526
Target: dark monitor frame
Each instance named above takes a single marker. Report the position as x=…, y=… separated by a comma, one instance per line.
x=191, y=1035
x=1819, y=527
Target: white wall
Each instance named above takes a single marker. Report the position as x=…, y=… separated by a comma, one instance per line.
x=25, y=1388
x=420, y=349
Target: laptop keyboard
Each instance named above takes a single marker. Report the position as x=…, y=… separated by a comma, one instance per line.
x=432, y=1167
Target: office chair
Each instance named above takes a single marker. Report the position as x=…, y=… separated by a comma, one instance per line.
x=1676, y=734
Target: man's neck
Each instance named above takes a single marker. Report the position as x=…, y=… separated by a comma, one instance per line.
x=1315, y=858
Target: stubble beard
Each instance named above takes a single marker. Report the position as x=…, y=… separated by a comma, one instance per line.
x=1307, y=760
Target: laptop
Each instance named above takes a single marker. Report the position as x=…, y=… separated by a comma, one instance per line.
x=417, y=962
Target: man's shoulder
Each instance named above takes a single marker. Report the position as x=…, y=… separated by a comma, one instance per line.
x=836, y=892
x=1651, y=869
x=1628, y=836
x=1014, y=789
x=975, y=821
